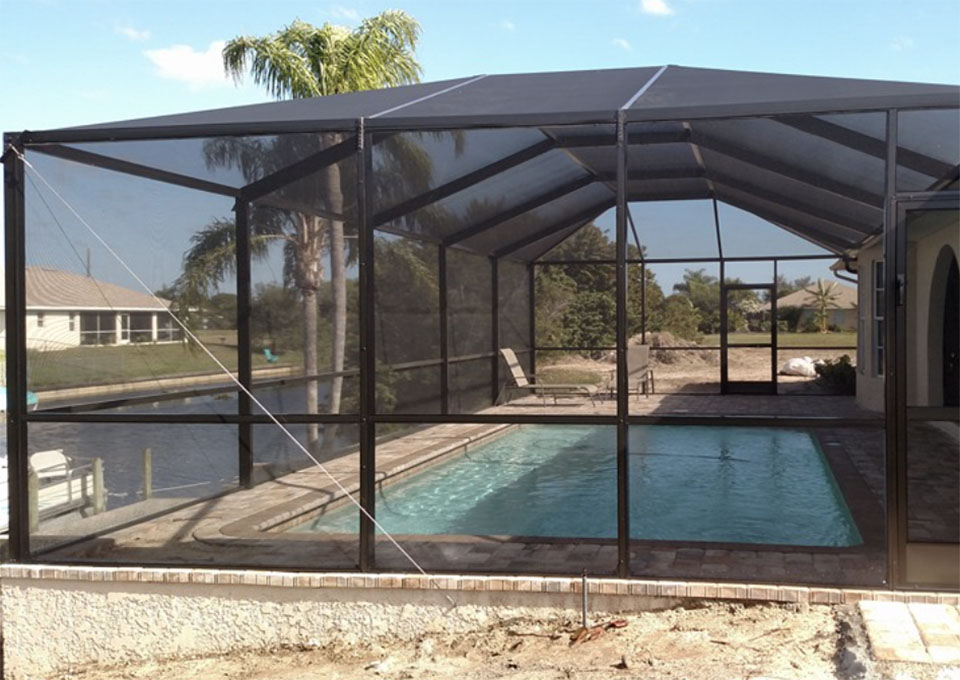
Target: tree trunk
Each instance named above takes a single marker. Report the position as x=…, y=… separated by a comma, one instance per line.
x=338, y=280
x=310, y=365
x=308, y=274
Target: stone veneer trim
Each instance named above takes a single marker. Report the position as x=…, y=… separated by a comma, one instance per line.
x=473, y=583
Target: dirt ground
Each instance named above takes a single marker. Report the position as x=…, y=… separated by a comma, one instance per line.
x=717, y=640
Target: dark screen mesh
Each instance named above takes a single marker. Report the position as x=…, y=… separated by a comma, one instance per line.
x=470, y=389
x=407, y=313
x=929, y=143
x=469, y=310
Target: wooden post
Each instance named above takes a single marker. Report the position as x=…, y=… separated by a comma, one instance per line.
x=99, y=493
x=33, y=500
x=148, y=472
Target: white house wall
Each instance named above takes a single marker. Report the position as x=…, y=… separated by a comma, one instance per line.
x=55, y=333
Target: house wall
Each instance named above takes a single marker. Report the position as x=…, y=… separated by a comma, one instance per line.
x=55, y=333
x=925, y=269
x=869, y=382
x=925, y=287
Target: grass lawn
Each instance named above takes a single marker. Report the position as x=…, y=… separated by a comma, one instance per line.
x=105, y=365
x=842, y=339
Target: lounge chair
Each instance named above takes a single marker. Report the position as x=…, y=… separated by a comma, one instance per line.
x=543, y=390
x=270, y=356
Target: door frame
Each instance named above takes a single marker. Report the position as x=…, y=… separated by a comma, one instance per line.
x=764, y=387
x=897, y=412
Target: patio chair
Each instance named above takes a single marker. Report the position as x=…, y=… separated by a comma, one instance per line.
x=638, y=368
x=50, y=464
x=524, y=383
x=270, y=356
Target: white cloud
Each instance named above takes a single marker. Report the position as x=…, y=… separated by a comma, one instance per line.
x=622, y=44
x=900, y=44
x=341, y=12
x=133, y=33
x=508, y=25
x=196, y=69
x=656, y=7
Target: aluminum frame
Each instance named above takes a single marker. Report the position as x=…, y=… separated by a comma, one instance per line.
x=367, y=418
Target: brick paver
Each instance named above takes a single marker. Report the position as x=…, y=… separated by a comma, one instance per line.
x=916, y=632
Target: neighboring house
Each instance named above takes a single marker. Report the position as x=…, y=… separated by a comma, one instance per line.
x=842, y=311
x=66, y=310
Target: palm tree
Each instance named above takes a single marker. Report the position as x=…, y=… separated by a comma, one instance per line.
x=298, y=61
x=824, y=296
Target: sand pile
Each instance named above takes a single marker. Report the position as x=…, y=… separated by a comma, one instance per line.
x=677, y=356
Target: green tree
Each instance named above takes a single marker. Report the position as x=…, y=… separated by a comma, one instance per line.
x=298, y=61
x=824, y=297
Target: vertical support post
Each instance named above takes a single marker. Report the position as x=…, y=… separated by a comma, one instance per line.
x=894, y=264
x=16, y=363
x=33, y=500
x=623, y=396
x=99, y=491
x=643, y=303
x=532, y=312
x=495, y=330
x=148, y=473
x=774, y=338
x=724, y=366
x=444, y=340
x=244, y=350
x=365, y=243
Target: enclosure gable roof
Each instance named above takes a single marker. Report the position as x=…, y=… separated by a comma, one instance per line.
x=519, y=162
x=558, y=97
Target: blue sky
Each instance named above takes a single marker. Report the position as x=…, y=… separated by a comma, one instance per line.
x=66, y=62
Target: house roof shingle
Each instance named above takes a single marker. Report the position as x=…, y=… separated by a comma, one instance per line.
x=58, y=289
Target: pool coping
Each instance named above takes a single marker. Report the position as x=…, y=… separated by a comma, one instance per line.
x=278, y=519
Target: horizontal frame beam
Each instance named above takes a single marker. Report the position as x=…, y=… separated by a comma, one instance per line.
x=524, y=207
x=302, y=168
x=582, y=216
x=463, y=182
x=825, y=241
x=866, y=144
x=788, y=170
x=136, y=169
x=840, y=222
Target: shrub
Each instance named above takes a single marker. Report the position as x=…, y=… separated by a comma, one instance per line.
x=838, y=376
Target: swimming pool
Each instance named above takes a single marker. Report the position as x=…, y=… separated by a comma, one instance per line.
x=690, y=483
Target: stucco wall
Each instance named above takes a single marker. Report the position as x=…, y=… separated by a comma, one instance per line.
x=924, y=368
x=52, y=625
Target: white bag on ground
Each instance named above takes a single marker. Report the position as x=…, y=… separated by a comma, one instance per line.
x=802, y=366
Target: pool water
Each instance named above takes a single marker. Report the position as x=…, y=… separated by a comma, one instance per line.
x=691, y=483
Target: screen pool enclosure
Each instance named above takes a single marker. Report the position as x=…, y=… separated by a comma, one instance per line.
x=403, y=277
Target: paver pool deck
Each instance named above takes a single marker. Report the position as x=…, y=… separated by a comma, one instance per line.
x=247, y=527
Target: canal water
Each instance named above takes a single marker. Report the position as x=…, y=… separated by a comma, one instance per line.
x=188, y=460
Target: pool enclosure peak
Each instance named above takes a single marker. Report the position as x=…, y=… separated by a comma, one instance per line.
x=519, y=162
x=563, y=97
